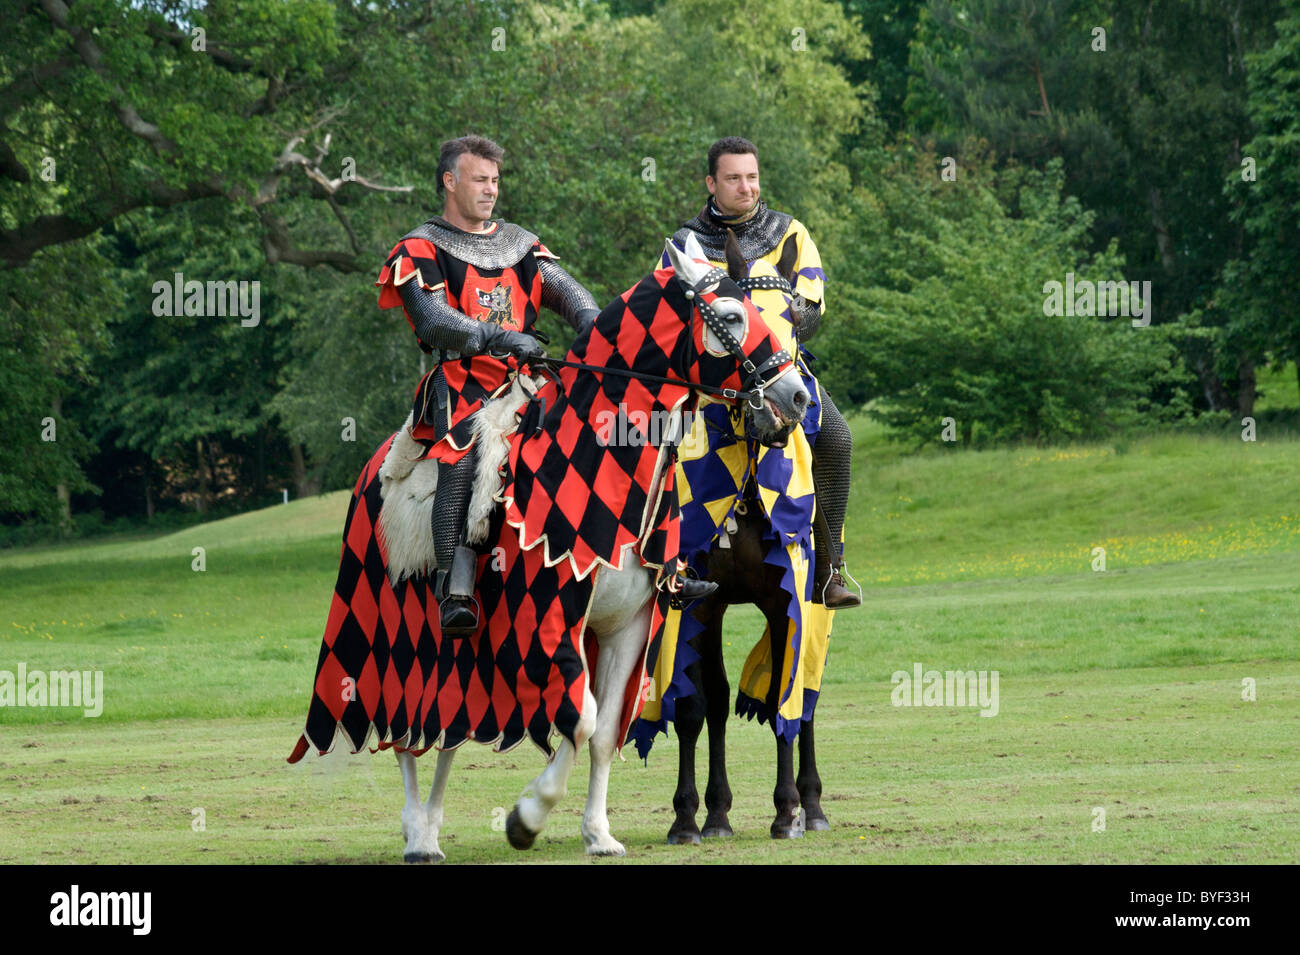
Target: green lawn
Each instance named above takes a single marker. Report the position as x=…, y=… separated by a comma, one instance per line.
x=1119, y=690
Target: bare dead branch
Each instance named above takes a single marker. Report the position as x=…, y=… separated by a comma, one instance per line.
x=279, y=247
x=289, y=157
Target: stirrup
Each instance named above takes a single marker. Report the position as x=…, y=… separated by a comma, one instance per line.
x=458, y=610
x=850, y=599
x=458, y=616
x=691, y=590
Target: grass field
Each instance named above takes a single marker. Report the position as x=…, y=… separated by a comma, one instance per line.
x=1120, y=690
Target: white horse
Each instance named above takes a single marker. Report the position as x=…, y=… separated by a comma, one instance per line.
x=729, y=344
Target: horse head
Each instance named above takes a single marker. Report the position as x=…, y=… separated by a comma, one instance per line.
x=771, y=289
x=736, y=350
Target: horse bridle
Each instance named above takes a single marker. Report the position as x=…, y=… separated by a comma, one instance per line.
x=752, y=394
x=754, y=374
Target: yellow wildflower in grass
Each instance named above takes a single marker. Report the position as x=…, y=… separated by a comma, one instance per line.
x=1252, y=536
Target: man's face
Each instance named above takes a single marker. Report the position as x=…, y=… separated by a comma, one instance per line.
x=473, y=192
x=735, y=188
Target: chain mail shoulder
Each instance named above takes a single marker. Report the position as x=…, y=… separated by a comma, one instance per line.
x=757, y=237
x=500, y=249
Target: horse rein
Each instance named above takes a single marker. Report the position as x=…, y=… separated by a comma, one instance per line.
x=753, y=395
x=729, y=393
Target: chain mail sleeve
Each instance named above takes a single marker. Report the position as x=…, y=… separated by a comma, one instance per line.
x=808, y=315
x=565, y=295
x=437, y=324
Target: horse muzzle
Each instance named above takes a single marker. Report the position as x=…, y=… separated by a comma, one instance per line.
x=779, y=410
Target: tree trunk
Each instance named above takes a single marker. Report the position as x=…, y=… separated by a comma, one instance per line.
x=305, y=483
x=205, y=481
x=1216, y=396
x=65, y=508
x=1042, y=91
x=1245, y=386
x=260, y=476
x=61, y=489
x=1163, y=242
x=299, y=467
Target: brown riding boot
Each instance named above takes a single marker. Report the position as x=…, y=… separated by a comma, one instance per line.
x=828, y=588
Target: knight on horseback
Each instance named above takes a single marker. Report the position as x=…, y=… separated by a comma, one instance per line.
x=734, y=203
x=471, y=287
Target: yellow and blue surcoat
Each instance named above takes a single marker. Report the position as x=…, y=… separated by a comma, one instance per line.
x=715, y=462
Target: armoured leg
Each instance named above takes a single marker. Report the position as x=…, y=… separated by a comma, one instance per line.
x=832, y=456
x=458, y=564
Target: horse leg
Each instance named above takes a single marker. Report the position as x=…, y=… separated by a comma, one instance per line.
x=620, y=652
x=686, y=800
x=809, y=782
x=539, y=797
x=717, y=696
x=421, y=823
x=785, y=797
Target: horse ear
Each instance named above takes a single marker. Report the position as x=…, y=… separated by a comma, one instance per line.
x=785, y=267
x=690, y=264
x=736, y=266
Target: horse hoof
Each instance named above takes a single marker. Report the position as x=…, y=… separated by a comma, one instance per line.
x=718, y=832
x=422, y=858
x=683, y=838
x=611, y=848
x=517, y=834
x=817, y=824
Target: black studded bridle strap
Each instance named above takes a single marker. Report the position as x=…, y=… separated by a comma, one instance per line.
x=751, y=283
x=753, y=373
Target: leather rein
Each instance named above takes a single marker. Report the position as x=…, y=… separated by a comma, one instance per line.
x=752, y=395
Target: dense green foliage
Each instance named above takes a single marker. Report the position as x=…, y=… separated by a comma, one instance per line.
x=290, y=144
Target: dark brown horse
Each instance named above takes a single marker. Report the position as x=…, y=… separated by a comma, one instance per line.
x=743, y=577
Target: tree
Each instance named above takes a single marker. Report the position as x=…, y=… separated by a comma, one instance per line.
x=1259, y=290
x=110, y=107
x=950, y=323
x=1152, y=122
x=52, y=329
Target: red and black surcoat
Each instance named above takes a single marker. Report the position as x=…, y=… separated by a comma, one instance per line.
x=506, y=295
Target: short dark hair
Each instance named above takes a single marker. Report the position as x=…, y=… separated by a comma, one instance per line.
x=726, y=146
x=453, y=149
